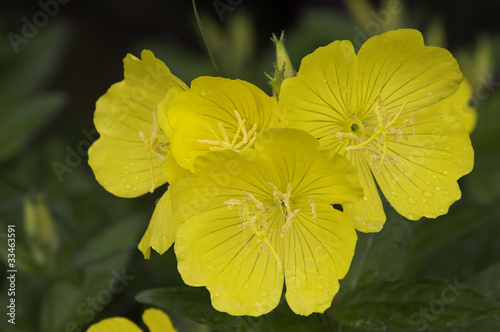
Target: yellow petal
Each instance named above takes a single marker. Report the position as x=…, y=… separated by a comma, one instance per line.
x=172, y=170
x=115, y=324
x=368, y=213
x=157, y=321
x=458, y=105
x=131, y=145
x=162, y=228
x=324, y=175
x=149, y=78
x=398, y=66
x=318, y=99
x=318, y=252
x=213, y=247
x=123, y=168
x=163, y=106
x=216, y=103
x=214, y=251
x=423, y=181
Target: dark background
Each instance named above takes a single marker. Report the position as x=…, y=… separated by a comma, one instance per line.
x=97, y=232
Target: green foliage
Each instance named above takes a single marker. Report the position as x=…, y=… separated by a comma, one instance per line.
x=414, y=305
x=195, y=304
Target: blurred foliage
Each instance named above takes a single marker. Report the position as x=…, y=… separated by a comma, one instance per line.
x=76, y=244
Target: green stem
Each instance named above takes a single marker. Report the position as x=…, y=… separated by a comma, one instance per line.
x=202, y=30
x=365, y=253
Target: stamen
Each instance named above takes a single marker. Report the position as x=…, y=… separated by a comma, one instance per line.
x=313, y=208
x=153, y=147
x=246, y=142
x=378, y=154
x=255, y=214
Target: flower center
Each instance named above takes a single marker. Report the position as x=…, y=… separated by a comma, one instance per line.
x=153, y=147
x=222, y=141
x=375, y=144
x=255, y=216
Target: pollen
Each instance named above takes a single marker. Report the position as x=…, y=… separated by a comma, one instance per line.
x=243, y=138
x=375, y=144
x=283, y=200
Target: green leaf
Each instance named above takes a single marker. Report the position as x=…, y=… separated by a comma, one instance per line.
x=18, y=121
x=35, y=63
x=195, y=303
x=459, y=233
x=487, y=282
x=415, y=305
x=95, y=275
x=484, y=180
x=370, y=263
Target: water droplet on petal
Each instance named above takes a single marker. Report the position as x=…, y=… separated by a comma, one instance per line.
x=365, y=198
x=427, y=182
x=428, y=194
x=217, y=295
x=446, y=192
x=424, y=200
x=393, y=193
x=245, y=286
x=445, y=172
x=437, y=188
x=411, y=200
x=410, y=216
x=128, y=186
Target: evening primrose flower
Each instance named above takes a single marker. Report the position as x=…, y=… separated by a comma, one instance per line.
x=155, y=319
x=132, y=155
x=215, y=114
x=255, y=219
x=127, y=157
x=373, y=109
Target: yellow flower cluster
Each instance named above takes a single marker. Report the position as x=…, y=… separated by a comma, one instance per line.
x=252, y=178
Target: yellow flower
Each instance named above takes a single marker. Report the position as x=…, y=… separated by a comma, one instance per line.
x=155, y=319
x=215, y=114
x=373, y=109
x=251, y=220
x=127, y=157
